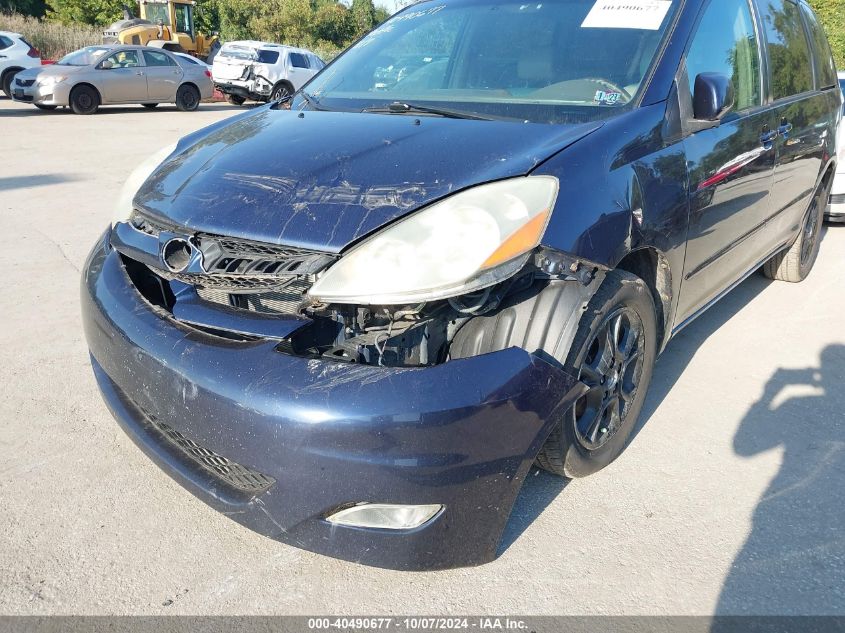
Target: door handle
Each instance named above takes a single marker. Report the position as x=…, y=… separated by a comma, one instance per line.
x=767, y=138
x=784, y=128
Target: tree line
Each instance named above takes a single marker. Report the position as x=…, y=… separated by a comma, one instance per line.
x=324, y=25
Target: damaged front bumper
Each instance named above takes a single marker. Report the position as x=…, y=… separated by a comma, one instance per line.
x=279, y=442
x=256, y=88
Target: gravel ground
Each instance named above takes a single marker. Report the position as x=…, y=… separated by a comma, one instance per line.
x=730, y=498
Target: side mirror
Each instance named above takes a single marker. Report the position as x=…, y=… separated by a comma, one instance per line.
x=106, y=65
x=713, y=96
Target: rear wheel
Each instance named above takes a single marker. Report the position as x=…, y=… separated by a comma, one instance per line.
x=84, y=100
x=235, y=99
x=281, y=91
x=7, y=82
x=187, y=98
x=42, y=106
x=150, y=106
x=796, y=262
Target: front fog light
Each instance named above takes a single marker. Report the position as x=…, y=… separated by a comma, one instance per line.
x=386, y=516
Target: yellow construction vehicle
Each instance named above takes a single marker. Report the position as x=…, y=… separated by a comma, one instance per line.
x=167, y=24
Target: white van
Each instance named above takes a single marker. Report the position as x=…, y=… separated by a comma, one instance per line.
x=262, y=71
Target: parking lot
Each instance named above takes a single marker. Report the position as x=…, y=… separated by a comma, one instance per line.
x=731, y=497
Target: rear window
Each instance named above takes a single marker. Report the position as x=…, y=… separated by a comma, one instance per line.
x=298, y=60
x=790, y=69
x=825, y=66
x=238, y=52
x=155, y=58
x=268, y=57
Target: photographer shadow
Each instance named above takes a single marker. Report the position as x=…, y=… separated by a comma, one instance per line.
x=793, y=561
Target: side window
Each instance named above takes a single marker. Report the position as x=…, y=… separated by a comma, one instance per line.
x=725, y=42
x=5, y=42
x=124, y=59
x=154, y=58
x=825, y=66
x=298, y=60
x=789, y=55
x=268, y=57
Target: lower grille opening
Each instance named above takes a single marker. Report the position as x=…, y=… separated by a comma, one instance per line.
x=287, y=300
x=231, y=473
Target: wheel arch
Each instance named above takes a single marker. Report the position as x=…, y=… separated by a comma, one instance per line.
x=12, y=70
x=88, y=85
x=652, y=266
x=283, y=82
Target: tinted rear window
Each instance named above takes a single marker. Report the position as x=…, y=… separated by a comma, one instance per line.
x=791, y=71
x=268, y=57
x=298, y=60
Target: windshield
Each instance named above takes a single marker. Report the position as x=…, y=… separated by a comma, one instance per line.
x=84, y=56
x=549, y=61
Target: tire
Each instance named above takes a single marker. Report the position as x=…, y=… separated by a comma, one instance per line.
x=235, y=99
x=187, y=98
x=795, y=263
x=8, y=76
x=625, y=299
x=150, y=106
x=281, y=91
x=84, y=100
x=41, y=106
x=542, y=323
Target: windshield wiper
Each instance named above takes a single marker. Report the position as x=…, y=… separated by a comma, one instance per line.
x=313, y=101
x=401, y=107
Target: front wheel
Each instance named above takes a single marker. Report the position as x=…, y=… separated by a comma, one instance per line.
x=187, y=98
x=613, y=354
x=84, y=100
x=614, y=344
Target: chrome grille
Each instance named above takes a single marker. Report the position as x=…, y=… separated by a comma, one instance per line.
x=240, y=266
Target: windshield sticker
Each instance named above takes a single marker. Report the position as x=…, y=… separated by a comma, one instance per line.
x=627, y=14
x=607, y=98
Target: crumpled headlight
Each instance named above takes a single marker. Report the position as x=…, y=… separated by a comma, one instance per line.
x=123, y=209
x=465, y=242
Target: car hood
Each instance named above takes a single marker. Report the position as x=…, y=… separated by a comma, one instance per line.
x=322, y=180
x=46, y=71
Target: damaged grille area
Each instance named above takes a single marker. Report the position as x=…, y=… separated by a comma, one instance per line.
x=281, y=301
x=244, y=273
x=234, y=474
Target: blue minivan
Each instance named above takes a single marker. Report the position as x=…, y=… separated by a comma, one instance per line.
x=352, y=321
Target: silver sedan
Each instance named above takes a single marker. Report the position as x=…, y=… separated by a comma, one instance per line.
x=106, y=75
